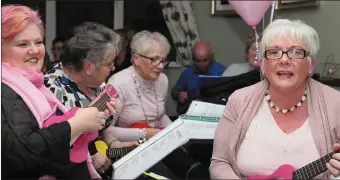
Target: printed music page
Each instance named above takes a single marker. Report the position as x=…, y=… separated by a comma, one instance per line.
x=199, y=108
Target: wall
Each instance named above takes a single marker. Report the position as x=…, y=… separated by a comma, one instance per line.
x=51, y=22
x=227, y=35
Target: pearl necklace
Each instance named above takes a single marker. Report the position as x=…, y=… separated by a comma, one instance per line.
x=140, y=88
x=272, y=105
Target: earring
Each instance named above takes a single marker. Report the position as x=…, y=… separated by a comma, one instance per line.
x=310, y=74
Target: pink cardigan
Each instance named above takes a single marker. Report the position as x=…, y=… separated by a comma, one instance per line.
x=323, y=108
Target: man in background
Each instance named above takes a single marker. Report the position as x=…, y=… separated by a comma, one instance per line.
x=186, y=88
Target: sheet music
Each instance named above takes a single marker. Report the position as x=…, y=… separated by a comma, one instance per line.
x=199, y=108
x=152, y=151
x=200, y=129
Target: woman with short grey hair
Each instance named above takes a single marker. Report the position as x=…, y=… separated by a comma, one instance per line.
x=86, y=61
x=288, y=118
x=143, y=89
x=91, y=44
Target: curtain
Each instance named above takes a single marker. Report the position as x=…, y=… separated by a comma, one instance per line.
x=179, y=18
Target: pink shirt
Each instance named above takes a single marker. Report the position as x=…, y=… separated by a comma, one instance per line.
x=130, y=108
x=242, y=106
x=261, y=153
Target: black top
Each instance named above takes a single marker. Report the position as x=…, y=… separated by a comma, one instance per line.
x=29, y=152
x=125, y=64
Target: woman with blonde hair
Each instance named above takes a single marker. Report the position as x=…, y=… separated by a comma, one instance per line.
x=288, y=118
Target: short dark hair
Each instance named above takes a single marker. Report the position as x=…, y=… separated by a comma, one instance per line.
x=122, y=32
x=91, y=41
x=58, y=39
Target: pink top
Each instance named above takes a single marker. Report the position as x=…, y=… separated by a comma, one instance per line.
x=260, y=153
x=130, y=108
x=242, y=106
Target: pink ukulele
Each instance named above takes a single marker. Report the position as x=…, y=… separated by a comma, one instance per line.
x=307, y=172
x=78, y=153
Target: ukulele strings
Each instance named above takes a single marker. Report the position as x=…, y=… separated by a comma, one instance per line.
x=101, y=103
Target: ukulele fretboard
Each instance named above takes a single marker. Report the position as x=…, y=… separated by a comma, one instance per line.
x=313, y=169
x=101, y=102
x=119, y=152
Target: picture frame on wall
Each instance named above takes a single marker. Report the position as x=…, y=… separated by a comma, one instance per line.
x=292, y=4
x=222, y=8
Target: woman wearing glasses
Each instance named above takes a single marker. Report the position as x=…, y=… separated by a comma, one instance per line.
x=86, y=62
x=288, y=118
x=143, y=90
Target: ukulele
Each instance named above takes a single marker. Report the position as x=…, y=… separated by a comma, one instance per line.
x=307, y=172
x=79, y=149
x=143, y=125
x=112, y=153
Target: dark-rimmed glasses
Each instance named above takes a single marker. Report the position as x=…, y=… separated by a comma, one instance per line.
x=155, y=61
x=275, y=54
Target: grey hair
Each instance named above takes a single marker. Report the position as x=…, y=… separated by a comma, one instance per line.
x=91, y=42
x=143, y=42
x=296, y=29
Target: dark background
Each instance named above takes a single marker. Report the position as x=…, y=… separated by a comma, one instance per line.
x=139, y=15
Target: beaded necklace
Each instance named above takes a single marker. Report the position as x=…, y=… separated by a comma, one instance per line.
x=278, y=109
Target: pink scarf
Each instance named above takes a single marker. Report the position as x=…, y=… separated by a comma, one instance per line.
x=40, y=100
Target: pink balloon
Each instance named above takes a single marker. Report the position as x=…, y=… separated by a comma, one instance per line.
x=251, y=11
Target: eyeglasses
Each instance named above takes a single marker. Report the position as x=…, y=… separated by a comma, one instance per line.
x=111, y=65
x=155, y=61
x=275, y=54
